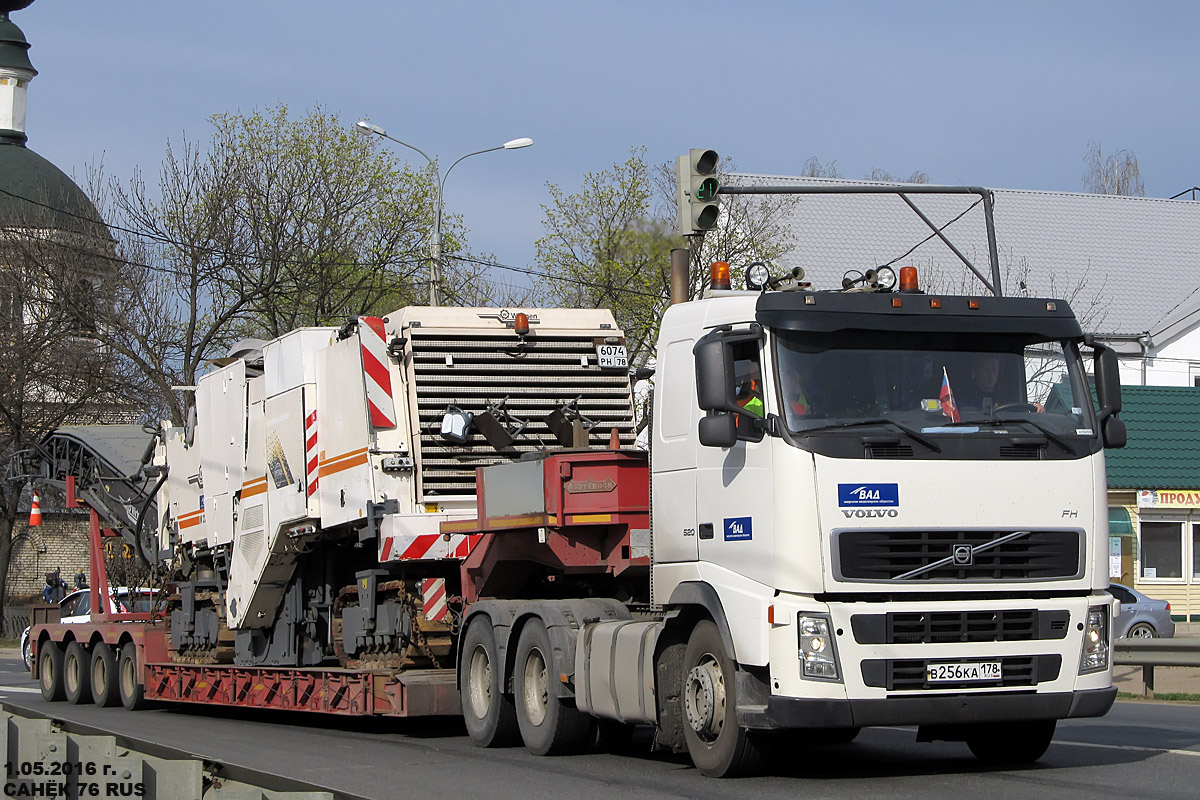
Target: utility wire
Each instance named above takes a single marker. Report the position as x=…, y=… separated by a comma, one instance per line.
x=930, y=236
x=253, y=257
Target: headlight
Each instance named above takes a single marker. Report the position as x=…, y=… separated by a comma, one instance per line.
x=1095, y=641
x=817, y=652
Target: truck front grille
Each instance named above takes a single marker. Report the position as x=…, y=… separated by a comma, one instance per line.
x=941, y=627
x=909, y=675
x=930, y=556
x=473, y=370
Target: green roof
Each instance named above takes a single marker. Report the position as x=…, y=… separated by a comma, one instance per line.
x=1164, y=439
x=36, y=194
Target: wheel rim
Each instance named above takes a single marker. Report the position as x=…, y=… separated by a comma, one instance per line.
x=1141, y=632
x=536, y=693
x=48, y=676
x=127, y=684
x=99, y=678
x=71, y=674
x=704, y=698
x=479, y=682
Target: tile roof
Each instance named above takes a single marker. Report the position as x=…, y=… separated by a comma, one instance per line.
x=1126, y=264
x=1164, y=439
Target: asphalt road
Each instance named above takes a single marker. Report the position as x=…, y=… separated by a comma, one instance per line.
x=1140, y=749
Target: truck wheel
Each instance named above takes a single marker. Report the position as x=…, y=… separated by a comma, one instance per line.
x=489, y=714
x=133, y=693
x=105, y=691
x=719, y=747
x=77, y=674
x=549, y=727
x=50, y=665
x=1012, y=742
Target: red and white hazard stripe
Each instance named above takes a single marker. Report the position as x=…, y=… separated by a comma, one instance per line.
x=373, y=338
x=433, y=591
x=426, y=546
x=310, y=451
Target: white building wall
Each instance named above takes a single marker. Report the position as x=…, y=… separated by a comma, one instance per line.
x=1174, y=364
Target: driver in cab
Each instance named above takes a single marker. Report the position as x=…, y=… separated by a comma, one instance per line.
x=985, y=391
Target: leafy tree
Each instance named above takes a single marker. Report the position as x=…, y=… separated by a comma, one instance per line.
x=1116, y=173
x=274, y=223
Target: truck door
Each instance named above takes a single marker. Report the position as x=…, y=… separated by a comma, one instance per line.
x=734, y=485
x=674, y=454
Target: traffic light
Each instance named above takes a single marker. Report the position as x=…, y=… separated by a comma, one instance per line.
x=696, y=176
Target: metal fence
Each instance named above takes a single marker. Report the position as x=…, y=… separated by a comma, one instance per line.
x=1151, y=653
x=16, y=619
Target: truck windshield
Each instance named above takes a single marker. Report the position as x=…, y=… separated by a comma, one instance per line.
x=931, y=383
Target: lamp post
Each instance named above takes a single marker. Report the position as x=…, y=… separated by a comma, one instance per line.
x=435, y=272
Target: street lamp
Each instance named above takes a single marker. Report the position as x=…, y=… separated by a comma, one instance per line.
x=435, y=272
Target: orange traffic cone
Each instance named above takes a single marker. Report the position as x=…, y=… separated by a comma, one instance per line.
x=35, y=512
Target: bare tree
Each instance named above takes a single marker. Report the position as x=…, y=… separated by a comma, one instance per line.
x=883, y=176
x=1116, y=173
x=274, y=223
x=54, y=370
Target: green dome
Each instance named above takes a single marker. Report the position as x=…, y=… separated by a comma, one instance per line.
x=36, y=194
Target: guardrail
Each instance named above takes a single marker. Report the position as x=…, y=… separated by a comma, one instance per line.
x=1151, y=653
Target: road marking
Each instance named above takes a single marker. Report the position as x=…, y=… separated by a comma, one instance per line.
x=21, y=689
x=1132, y=747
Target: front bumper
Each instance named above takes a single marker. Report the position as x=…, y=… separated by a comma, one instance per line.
x=759, y=709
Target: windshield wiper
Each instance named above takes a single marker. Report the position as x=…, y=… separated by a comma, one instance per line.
x=878, y=421
x=992, y=421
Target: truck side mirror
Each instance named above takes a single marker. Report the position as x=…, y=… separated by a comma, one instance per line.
x=714, y=374
x=718, y=430
x=1112, y=430
x=1108, y=381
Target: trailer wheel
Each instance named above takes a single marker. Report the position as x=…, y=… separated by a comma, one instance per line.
x=50, y=665
x=719, y=747
x=105, y=691
x=1012, y=742
x=549, y=726
x=77, y=674
x=133, y=693
x=488, y=712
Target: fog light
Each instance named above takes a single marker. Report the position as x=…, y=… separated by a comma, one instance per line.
x=1095, y=641
x=817, y=653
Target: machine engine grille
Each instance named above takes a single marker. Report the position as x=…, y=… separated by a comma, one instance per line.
x=940, y=627
x=910, y=674
x=473, y=370
x=913, y=556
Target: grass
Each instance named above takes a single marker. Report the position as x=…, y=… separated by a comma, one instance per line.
x=1182, y=697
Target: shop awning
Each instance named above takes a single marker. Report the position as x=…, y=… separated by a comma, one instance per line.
x=1119, y=523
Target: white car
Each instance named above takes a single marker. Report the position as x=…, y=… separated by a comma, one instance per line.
x=76, y=607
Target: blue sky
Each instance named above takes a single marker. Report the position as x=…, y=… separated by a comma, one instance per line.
x=1004, y=95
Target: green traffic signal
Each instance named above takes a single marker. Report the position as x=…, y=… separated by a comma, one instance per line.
x=707, y=190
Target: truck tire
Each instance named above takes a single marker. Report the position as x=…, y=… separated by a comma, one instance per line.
x=77, y=674
x=105, y=691
x=488, y=712
x=549, y=726
x=50, y=665
x=1012, y=742
x=133, y=693
x=718, y=746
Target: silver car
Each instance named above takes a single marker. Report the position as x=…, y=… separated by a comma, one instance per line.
x=1141, y=617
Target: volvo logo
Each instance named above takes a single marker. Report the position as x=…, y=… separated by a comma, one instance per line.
x=964, y=555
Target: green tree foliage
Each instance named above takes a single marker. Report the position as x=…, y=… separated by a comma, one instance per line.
x=608, y=244
x=273, y=223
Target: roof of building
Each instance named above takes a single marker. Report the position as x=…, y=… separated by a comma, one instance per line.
x=1164, y=439
x=1123, y=263
x=33, y=192
x=36, y=194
